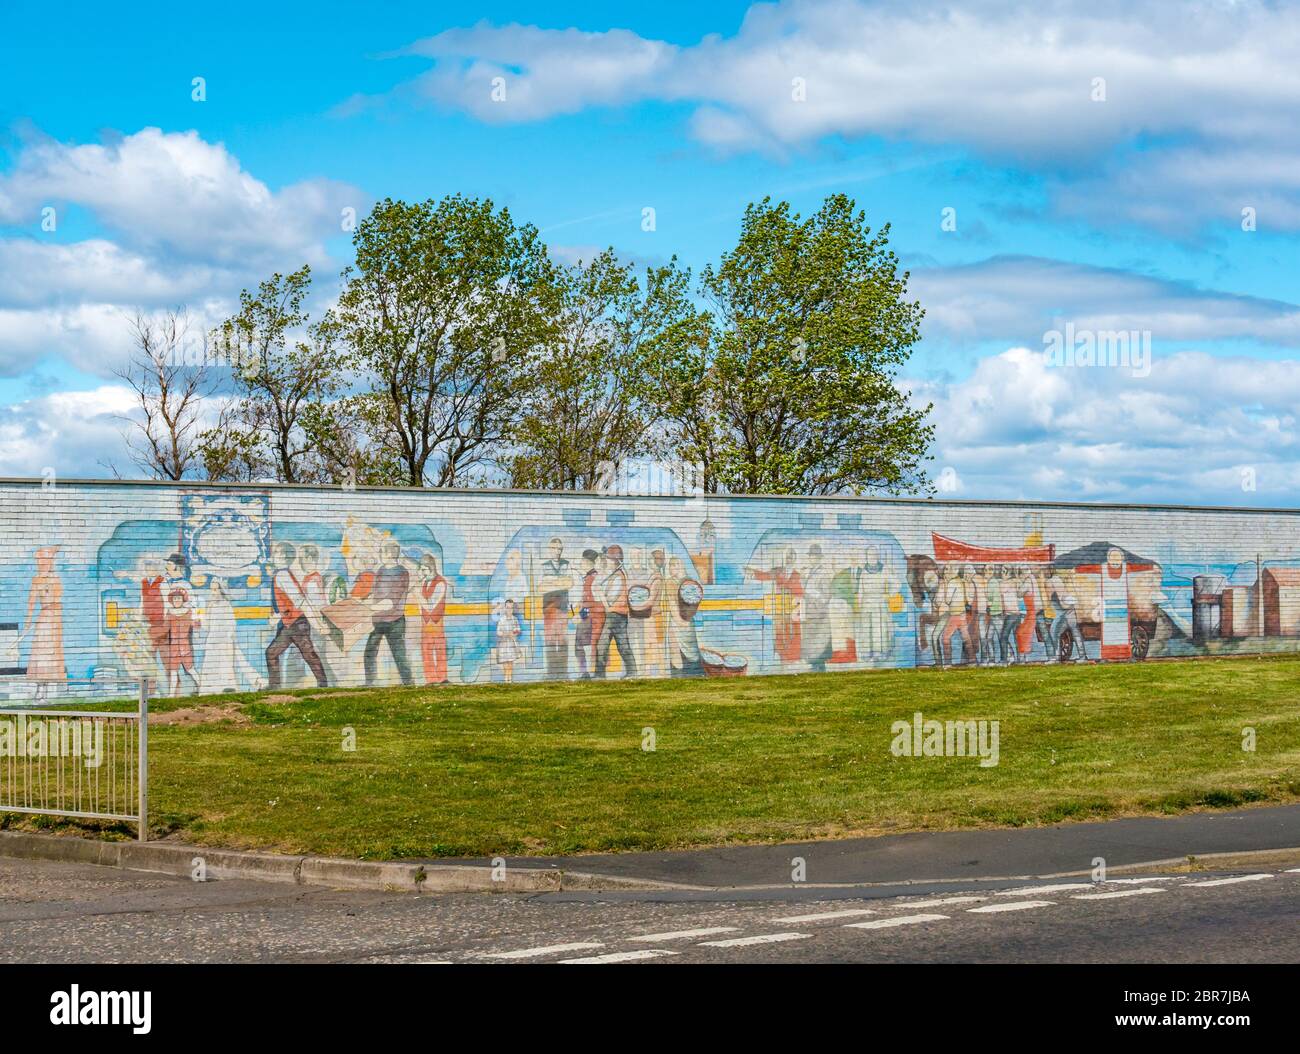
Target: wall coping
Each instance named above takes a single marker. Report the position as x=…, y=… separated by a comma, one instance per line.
x=7, y=481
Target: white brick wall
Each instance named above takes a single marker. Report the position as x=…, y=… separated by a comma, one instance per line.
x=75, y=621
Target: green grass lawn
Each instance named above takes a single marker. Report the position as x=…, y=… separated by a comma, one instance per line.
x=559, y=768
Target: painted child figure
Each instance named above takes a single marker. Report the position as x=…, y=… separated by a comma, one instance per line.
x=508, y=640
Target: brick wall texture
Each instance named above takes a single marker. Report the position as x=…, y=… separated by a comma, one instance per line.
x=205, y=589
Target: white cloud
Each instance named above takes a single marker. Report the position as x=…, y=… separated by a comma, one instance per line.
x=184, y=225
x=77, y=434
x=1018, y=298
x=175, y=193
x=1020, y=428
x=1008, y=81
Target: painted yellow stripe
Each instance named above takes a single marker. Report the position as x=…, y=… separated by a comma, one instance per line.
x=262, y=613
x=733, y=604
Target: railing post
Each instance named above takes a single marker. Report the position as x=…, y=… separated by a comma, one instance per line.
x=143, y=722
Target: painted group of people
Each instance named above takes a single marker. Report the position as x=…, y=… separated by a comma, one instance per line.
x=321, y=621
x=383, y=583
x=992, y=614
x=831, y=609
x=635, y=611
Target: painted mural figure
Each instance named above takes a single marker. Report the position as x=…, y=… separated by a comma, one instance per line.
x=874, y=633
x=816, y=644
x=508, y=632
x=388, y=613
x=434, y=590
x=1115, y=643
x=224, y=667
x=45, y=663
x=591, y=616
x=556, y=583
x=290, y=601
x=1065, y=604
x=952, y=604
x=1032, y=600
x=977, y=607
x=1011, y=613
x=684, y=601
x=787, y=592
x=178, y=651
x=655, y=630
x=613, y=591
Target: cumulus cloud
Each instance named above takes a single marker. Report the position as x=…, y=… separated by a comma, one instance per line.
x=1008, y=81
x=1019, y=298
x=1194, y=429
x=182, y=224
x=77, y=434
x=177, y=193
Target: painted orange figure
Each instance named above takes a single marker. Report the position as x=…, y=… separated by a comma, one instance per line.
x=45, y=623
x=433, y=633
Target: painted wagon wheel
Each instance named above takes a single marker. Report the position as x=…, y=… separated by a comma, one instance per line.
x=1141, y=642
x=1066, y=646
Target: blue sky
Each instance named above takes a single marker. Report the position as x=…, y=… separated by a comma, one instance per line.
x=1122, y=212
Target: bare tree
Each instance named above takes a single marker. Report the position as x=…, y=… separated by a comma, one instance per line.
x=169, y=393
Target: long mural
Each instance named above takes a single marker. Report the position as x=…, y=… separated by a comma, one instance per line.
x=213, y=589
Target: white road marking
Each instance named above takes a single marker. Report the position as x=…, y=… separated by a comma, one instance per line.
x=1230, y=881
x=550, y=949
x=1115, y=894
x=1019, y=905
x=1140, y=881
x=1293, y=870
x=941, y=901
x=623, y=957
x=677, y=935
x=1025, y=891
x=901, y=920
x=826, y=916
x=762, y=938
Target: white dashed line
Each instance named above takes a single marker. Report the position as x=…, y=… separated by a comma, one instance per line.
x=1293, y=870
x=623, y=957
x=1230, y=881
x=826, y=916
x=550, y=949
x=1140, y=881
x=762, y=938
x=678, y=935
x=1027, y=890
x=1115, y=894
x=941, y=901
x=1019, y=905
x=901, y=920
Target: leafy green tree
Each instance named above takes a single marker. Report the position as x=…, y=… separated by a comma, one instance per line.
x=283, y=365
x=592, y=402
x=442, y=314
x=792, y=390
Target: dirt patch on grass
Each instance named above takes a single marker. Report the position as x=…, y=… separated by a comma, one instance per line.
x=202, y=715
x=278, y=699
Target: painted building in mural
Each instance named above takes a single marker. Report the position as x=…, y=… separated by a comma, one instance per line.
x=209, y=589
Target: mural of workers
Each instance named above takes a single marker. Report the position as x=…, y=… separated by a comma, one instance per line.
x=290, y=602
x=613, y=591
x=556, y=583
x=591, y=615
x=684, y=596
x=388, y=613
x=787, y=593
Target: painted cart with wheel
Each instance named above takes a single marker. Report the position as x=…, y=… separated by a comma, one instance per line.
x=1116, y=601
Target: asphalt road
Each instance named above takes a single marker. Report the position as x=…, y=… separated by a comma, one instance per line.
x=64, y=913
